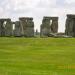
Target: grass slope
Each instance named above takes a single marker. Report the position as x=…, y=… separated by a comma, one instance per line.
x=37, y=56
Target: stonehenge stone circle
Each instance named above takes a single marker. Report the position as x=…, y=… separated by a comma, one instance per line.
x=24, y=27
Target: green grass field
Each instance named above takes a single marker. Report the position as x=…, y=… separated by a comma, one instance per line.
x=37, y=56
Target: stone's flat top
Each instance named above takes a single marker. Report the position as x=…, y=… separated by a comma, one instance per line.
x=50, y=17
x=8, y=20
x=5, y=19
x=26, y=18
x=71, y=15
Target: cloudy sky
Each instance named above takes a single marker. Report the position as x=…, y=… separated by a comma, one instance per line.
x=37, y=9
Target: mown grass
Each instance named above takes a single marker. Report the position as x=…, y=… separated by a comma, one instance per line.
x=37, y=56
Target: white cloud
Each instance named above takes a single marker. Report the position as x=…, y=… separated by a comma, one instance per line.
x=69, y=1
x=46, y=3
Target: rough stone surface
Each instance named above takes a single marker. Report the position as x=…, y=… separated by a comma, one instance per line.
x=17, y=29
x=27, y=25
x=54, y=26
x=49, y=25
x=45, y=27
x=5, y=27
x=8, y=28
x=70, y=25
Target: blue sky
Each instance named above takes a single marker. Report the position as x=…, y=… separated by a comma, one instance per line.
x=37, y=9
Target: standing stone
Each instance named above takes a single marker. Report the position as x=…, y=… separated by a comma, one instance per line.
x=8, y=28
x=45, y=27
x=17, y=29
x=5, y=27
x=70, y=25
x=27, y=25
x=49, y=25
x=54, y=26
x=36, y=33
x=1, y=28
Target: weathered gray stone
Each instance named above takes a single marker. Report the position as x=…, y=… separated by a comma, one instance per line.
x=70, y=25
x=45, y=27
x=18, y=29
x=49, y=25
x=0, y=28
x=5, y=27
x=54, y=26
x=27, y=25
x=8, y=28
